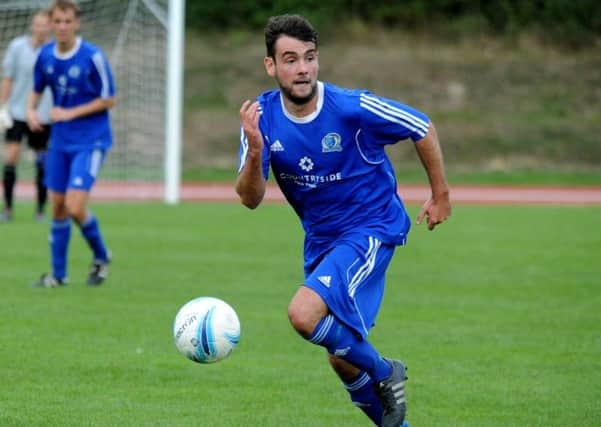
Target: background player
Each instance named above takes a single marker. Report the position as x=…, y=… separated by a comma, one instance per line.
x=83, y=91
x=17, y=83
x=325, y=146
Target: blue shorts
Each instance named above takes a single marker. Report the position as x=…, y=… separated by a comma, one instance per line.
x=73, y=170
x=350, y=279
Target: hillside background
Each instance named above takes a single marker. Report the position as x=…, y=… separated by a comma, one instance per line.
x=511, y=85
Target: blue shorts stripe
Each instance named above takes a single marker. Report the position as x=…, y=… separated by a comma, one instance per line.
x=367, y=267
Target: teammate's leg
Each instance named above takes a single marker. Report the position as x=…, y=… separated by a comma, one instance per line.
x=60, y=236
x=77, y=206
x=85, y=168
x=42, y=191
x=38, y=142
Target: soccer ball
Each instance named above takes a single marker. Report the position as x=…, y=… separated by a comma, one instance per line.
x=206, y=330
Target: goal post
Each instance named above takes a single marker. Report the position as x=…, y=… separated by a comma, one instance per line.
x=175, y=77
x=143, y=40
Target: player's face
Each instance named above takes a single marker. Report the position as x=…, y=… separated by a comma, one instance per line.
x=40, y=27
x=65, y=25
x=295, y=68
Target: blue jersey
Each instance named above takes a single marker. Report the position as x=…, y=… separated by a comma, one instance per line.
x=75, y=78
x=332, y=166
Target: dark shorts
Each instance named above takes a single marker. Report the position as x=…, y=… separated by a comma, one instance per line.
x=36, y=140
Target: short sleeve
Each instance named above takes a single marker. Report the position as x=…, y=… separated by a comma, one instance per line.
x=102, y=77
x=386, y=121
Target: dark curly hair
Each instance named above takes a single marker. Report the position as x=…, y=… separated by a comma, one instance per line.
x=295, y=26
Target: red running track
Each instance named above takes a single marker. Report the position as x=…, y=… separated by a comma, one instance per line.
x=411, y=194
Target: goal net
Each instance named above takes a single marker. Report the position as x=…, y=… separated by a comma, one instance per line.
x=133, y=34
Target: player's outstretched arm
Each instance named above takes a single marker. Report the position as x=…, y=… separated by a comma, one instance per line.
x=250, y=184
x=438, y=207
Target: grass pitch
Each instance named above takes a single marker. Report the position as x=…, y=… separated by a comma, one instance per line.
x=497, y=314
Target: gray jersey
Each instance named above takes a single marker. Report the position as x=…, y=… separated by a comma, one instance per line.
x=19, y=60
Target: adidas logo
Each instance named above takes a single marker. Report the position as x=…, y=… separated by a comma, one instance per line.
x=341, y=352
x=277, y=146
x=325, y=280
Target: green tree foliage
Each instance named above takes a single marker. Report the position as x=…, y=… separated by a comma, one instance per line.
x=571, y=22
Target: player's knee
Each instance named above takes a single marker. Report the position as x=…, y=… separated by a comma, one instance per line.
x=306, y=310
x=75, y=210
x=300, y=320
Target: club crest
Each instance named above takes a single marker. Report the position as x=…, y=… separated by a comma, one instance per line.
x=330, y=143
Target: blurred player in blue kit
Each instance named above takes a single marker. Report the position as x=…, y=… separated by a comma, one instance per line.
x=83, y=91
x=17, y=82
x=325, y=146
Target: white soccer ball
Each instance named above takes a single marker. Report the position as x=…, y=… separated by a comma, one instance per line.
x=206, y=330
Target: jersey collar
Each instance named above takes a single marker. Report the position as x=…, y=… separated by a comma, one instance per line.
x=310, y=117
x=69, y=54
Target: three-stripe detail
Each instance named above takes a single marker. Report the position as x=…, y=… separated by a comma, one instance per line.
x=366, y=268
x=394, y=114
x=323, y=327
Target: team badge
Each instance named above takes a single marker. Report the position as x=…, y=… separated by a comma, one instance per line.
x=74, y=72
x=331, y=143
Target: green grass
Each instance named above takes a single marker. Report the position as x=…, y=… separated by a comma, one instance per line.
x=496, y=313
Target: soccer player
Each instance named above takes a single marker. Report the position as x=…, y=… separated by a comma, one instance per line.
x=325, y=146
x=16, y=86
x=82, y=87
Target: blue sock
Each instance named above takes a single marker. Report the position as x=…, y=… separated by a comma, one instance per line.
x=361, y=390
x=343, y=342
x=90, y=230
x=60, y=234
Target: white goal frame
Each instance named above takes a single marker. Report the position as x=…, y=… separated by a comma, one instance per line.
x=173, y=108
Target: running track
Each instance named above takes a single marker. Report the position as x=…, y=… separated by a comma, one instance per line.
x=411, y=194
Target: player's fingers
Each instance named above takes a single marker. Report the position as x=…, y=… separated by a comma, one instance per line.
x=420, y=215
x=244, y=109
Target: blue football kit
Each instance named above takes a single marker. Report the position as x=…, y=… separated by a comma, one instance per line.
x=333, y=169
x=77, y=147
x=76, y=78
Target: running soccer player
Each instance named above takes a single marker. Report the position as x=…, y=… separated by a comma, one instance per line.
x=82, y=87
x=325, y=146
x=17, y=83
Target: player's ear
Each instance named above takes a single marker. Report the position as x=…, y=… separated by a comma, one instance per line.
x=269, y=63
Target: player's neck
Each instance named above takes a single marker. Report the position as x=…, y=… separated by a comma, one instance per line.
x=301, y=110
x=67, y=45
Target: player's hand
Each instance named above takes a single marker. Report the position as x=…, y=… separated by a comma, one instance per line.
x=250, y=115
x=34, y=122
x=6, y=121
x=435, y=210
x=59, y=114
